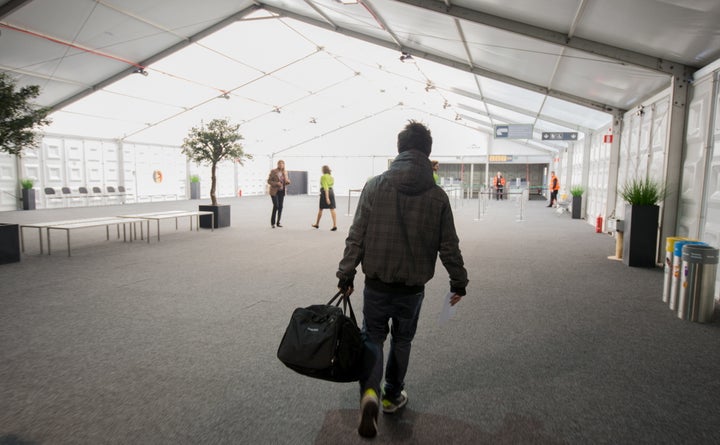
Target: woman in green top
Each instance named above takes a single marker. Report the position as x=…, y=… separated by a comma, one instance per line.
x=327, y=197
x=436, y=168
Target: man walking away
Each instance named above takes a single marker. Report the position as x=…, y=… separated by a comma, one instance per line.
x=403, y=221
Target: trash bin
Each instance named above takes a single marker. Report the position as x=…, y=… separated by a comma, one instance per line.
x=677, y=266
x=697, y=288
x=668, y=267
x=9, y=243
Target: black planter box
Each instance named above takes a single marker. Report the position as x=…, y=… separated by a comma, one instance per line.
x=9, y=243
x=195, y=190
x=221, y=213
x=640, y=234
x=576, y=207
x=28, y=199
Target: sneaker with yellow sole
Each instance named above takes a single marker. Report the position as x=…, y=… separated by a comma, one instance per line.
x=392, y=404
x=369, y=408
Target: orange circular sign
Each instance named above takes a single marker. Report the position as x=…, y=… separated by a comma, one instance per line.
x=157, y=176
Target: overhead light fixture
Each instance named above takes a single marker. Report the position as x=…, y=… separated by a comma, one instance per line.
x=140, y=70
x=429, y=86
x=347, y=2
x=457, y=117
x=446, y=104
x=276, y=109
x=313, y=120
x=224, y=96
x=405, y=57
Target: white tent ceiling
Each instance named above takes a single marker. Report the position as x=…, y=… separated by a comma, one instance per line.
x=293, y=71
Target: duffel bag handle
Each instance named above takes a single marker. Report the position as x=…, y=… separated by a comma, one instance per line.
x=345, y=300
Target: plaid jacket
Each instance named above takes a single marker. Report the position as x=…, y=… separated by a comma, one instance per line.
x=402, y=222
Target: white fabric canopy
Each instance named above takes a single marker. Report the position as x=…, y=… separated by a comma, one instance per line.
x=293, y=72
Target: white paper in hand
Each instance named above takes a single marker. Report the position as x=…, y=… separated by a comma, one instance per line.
x=448, y=311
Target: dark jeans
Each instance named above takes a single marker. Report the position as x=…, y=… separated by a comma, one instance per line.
x=498, y=193
x=553, y=197
x=379, y=308
x=277, y=201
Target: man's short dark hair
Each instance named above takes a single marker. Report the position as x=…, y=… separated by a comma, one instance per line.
x=415, y=136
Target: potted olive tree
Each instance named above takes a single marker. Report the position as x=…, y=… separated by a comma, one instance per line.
x=641, y=221
x=209, y=144
x=19, y=120
x=577, y=191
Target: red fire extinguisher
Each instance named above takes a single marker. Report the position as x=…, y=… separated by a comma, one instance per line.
x=598, y=224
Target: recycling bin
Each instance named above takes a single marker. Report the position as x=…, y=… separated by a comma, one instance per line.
x=697, y=286
x=668, y=266
x=677, y=266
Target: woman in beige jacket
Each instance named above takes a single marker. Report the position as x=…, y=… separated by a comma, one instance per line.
x=278, y=181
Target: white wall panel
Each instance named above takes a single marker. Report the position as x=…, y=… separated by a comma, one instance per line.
x=52, y=151
x=624, y=163
x=8, y=182
x=633, y=152
x=710, y=232
x=75, y=164
x=169, y=181
x=252, y=176
x=128, y=172
x=658, y=138
x=111, y=169
x=577, y=164
x=693, y=173
x=597, y=179
x=642, y=147
x=225, y=180
x=94, y=164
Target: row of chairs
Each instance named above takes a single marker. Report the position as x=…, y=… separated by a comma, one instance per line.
x=96, y=194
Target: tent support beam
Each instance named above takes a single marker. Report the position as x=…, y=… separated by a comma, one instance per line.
x=451, y=63
x=547, y=35
x=154, y=58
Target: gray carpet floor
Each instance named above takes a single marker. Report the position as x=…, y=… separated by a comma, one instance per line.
x=174, y=342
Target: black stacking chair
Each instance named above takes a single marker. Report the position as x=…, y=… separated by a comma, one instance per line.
x=51, y=195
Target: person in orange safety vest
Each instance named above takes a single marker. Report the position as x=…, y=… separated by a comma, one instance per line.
x=499, y=184
x=554, y=188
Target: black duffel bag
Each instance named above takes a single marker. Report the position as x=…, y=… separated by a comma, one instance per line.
x=322, y=342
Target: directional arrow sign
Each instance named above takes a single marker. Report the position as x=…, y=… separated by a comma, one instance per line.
x=514, y=131
x=560, y=136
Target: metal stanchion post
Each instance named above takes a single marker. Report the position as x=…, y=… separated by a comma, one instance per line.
x=522, y=207
x=481, y=205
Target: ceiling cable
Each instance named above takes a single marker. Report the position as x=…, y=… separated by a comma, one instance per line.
x=70, y=44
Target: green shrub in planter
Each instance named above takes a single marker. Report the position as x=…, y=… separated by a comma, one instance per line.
x=28, y=194
x=577, y=190
x=194, y=178
x=643, y=192
x=641, y=221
